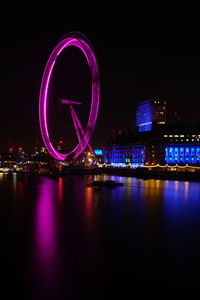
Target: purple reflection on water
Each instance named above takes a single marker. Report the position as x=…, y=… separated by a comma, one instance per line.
x=46, y=230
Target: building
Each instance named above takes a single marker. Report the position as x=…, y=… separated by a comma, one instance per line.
x=122, y=156
x=153, y=144
x=149, y=113
x=99, y=156
x=158, y=147
x=182, y=154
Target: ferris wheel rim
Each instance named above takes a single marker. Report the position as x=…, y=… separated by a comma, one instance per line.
x=78, y=40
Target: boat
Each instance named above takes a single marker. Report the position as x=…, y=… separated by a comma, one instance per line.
x=106, y=183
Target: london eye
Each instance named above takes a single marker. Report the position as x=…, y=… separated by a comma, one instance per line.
x=75, y=39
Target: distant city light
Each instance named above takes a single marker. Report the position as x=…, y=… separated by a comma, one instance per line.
x=98, y=152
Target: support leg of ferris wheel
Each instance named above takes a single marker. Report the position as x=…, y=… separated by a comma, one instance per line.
x=78, y=127
x=75, y=124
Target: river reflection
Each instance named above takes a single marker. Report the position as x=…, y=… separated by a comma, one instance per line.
x=71, y=239
x=181, y=200
x=89, y=205
x=46, y=231
x=60, y=192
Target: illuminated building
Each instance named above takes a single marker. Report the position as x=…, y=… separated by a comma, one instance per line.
x=182, y=154
x=99, y=155
x=155, y=143
x=170, y=144
x=144, y=116
x=122, y=156
x=98, y=152
x=139, y=155
x=150, y=112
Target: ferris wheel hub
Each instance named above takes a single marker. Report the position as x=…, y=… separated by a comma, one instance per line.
x=66, y=101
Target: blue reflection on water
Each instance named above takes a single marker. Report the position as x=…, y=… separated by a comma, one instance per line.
x=181, y=201
x=78, y=233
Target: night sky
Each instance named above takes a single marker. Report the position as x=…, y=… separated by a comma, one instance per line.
x=142, y=53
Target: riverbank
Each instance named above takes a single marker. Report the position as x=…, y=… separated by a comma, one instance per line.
x=155, y=174
x=138, y=173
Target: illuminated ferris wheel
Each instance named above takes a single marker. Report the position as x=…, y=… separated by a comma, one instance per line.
x=78, y=40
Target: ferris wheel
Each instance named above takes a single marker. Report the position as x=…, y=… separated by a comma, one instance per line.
x=78, y=40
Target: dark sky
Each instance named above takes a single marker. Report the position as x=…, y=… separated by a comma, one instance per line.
x=142, y=53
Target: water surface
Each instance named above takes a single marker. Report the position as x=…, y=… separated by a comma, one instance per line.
x=63, y=239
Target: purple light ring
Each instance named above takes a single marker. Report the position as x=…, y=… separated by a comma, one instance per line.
x=95, y=97
x=44, y=94
x=52, y=151
x=82, y=44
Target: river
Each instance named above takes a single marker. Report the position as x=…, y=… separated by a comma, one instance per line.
x=63, y=239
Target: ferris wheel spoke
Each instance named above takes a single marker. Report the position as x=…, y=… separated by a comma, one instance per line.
x=66, y=101
x=78, y=123
x=75, y=123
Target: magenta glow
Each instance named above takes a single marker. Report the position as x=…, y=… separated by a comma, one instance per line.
x=80, y=41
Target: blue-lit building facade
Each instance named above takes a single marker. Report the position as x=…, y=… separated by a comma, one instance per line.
x=132, y=156
x=155, y=142
x=154, y=151
x=150, y=112
x=144, y=116
x=182, y=154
